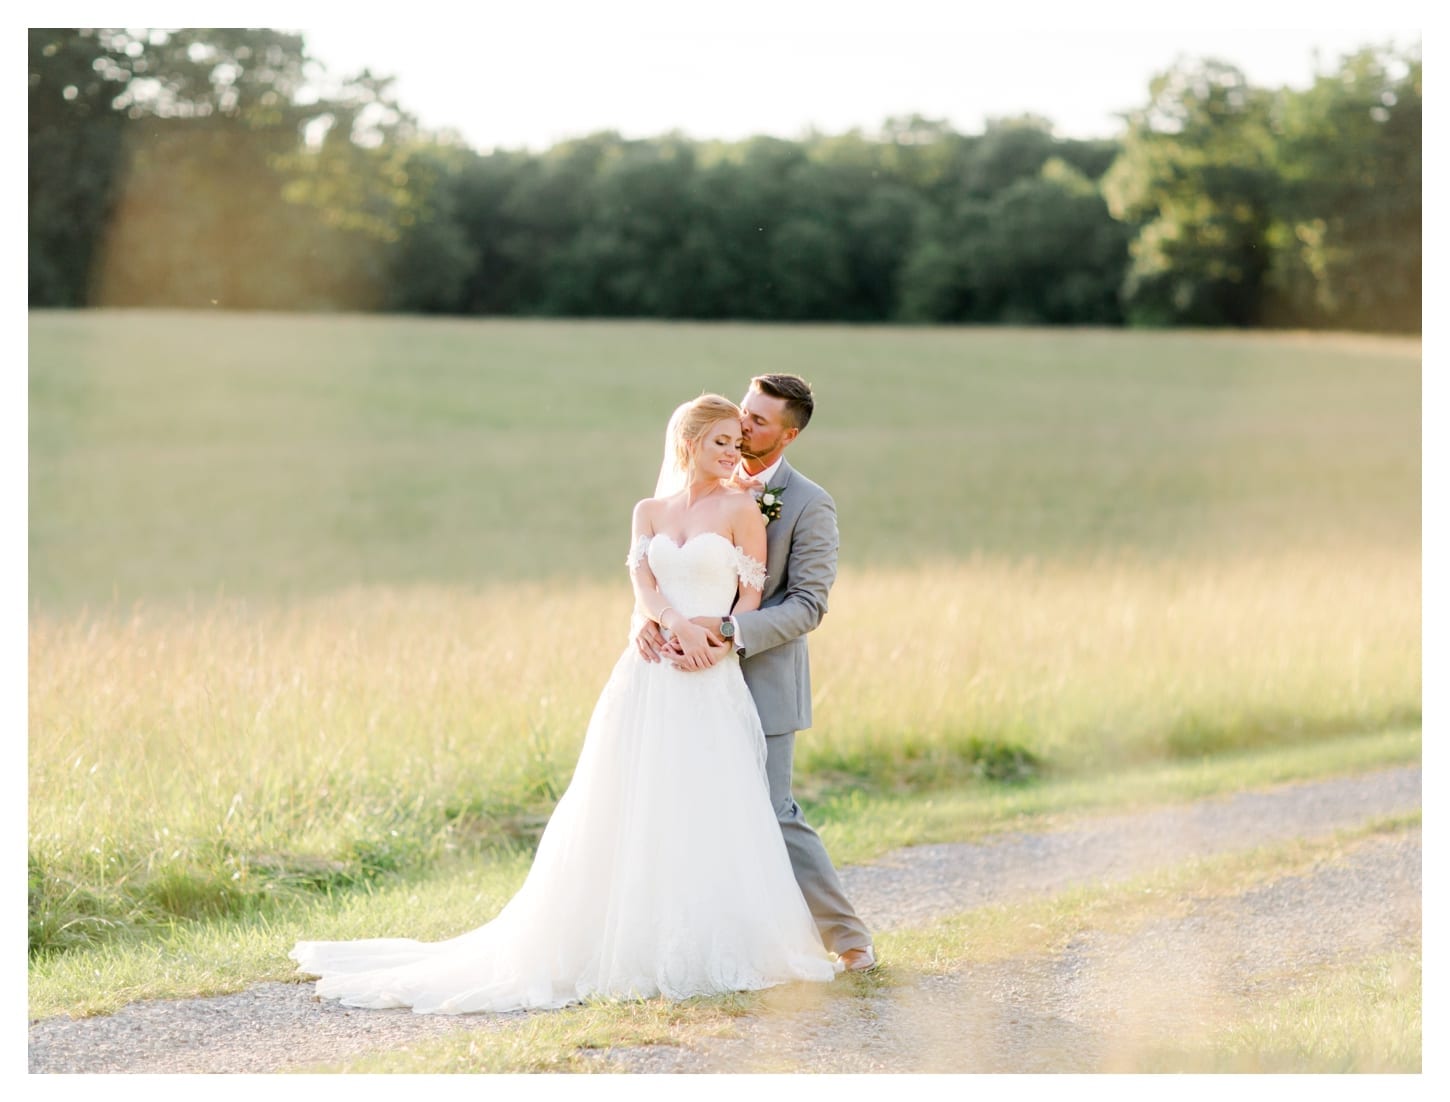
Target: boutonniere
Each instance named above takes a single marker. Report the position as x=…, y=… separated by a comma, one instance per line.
x=769, y=502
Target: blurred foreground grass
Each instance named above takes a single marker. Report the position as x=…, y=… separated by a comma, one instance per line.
x=314, y=600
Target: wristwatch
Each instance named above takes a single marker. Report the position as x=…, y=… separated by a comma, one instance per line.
x=727, y=629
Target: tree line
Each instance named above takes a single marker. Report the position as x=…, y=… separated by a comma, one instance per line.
x=223, y=168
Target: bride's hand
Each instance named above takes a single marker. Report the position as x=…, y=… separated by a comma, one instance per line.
x=693, y=643
x=714, y=652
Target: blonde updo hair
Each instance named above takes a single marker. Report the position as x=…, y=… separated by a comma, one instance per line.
x=693, y=418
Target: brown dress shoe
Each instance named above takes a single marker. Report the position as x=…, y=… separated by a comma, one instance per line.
x=858, y=960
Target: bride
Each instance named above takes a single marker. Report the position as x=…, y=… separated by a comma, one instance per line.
x=662, y=870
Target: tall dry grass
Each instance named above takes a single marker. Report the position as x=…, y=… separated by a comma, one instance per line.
x=1097, y=663
x=193, y=761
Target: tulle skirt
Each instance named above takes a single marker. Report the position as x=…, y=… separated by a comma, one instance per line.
x=661, y=872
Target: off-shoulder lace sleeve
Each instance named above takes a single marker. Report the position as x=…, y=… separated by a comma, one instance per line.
x=637, y=552
x=751, y=571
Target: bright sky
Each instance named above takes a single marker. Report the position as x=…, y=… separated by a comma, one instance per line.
x=533, y=74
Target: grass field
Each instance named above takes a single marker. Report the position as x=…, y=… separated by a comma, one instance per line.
x=317, y=600
x=191, y=455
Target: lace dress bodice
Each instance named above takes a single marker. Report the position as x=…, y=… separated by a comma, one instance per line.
x=700, y=577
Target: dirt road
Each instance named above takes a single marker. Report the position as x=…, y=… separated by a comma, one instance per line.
x=1093, y=1007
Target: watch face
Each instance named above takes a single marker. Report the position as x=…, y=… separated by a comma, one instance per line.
x=727, y=629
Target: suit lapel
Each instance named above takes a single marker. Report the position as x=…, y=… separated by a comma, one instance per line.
x=782, y=475
x=777, y=537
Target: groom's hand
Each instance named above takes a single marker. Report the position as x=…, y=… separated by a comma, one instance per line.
x=650, y=641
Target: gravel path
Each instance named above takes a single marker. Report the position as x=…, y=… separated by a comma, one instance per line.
x=910, y=886
x=1090, y=1009
x=1103, y=1003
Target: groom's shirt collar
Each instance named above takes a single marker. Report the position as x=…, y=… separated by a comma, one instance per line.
x=766, y=475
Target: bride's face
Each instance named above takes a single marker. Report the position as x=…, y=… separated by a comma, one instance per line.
x=718, y=451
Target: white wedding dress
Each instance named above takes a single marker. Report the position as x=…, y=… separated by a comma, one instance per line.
x=662, y=870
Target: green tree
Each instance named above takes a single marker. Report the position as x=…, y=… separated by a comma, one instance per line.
x=1195, y=182
x=939, y=278
x=925, y=155
x=877, y=235
x=1009, y=150
x=625, y=259
x=434, y=258
x=931, y=279
x=1019, y=233
x=218, y=178
x=1349, y=237
x=809, y=271
x=75, y=153
x=1049, y=252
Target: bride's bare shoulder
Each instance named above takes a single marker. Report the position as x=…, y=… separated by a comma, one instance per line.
x=649, y=509
x=741, y=502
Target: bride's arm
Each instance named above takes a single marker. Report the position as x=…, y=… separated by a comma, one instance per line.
x=647, y=596
x=748, y=532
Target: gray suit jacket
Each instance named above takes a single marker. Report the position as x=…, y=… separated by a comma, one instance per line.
x=800, y=566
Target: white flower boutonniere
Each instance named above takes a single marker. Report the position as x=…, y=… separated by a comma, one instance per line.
x=769, y=502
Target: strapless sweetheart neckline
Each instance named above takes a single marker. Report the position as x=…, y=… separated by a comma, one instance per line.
x=689, y=540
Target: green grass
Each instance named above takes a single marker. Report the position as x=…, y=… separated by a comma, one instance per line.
x=206, y=956
x=177, y=455
x=315, y=601
x=857, y=826
x=1365, y=1018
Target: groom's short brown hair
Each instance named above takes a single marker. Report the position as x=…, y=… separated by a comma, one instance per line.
x=799, y=402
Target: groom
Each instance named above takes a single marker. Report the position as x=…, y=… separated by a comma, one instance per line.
x=801, y=545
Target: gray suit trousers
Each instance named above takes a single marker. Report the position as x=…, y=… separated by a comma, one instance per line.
x=836, y=920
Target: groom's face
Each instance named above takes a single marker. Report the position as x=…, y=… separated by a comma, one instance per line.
x=763, y=426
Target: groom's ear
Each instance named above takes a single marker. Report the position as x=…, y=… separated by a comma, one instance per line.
x=788, y=435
